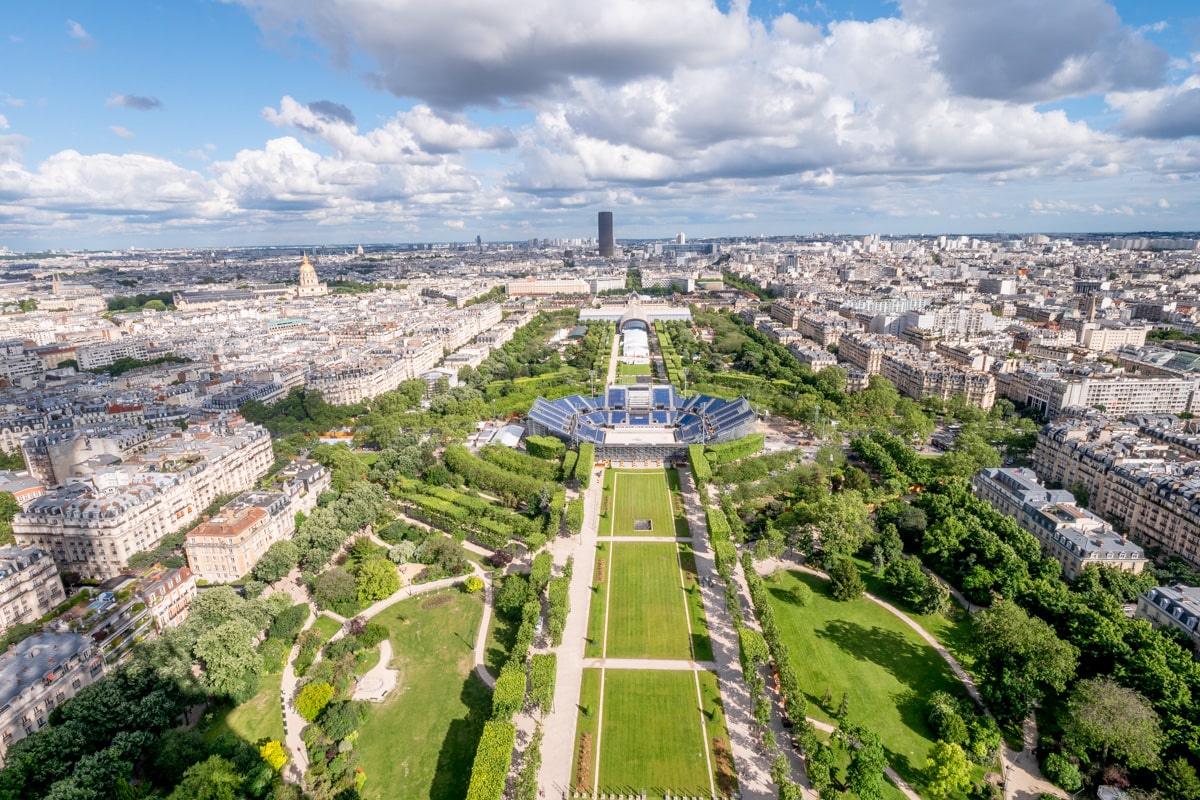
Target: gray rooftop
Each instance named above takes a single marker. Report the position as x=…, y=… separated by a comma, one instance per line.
x=34, y=658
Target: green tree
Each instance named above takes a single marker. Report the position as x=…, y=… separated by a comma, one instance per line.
x=376, y=579
x=867, y=763
x=1062, y=772
x=8, y=509
x=837, y=526
x=334, y=588
x=230, y=661
x=946, y=770
x=277, y=562
x=1178, y=780
x=214, y=779
x=1019, y=659
x=1107, y=718
x=845, y=583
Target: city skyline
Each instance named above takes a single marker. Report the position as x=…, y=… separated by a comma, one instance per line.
x=259, y=122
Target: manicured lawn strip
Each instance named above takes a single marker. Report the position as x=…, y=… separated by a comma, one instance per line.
x=641, y=494
x=582, y=777
x=595, y=634
x=646, y=607
x=652, y=734
x=502, y=633
x=859, y=648
x=259, y=717
x=701, y=644
x=633, y=369
x=719, y=749
x=681, y=526
x=421, y=742
x=327, y=625
x=367, y=661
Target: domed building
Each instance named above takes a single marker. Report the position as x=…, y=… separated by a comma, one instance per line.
x=310, y=284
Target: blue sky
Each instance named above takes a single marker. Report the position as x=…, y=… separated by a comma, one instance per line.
x=207, y=123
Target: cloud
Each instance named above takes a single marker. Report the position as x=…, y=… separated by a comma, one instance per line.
x=457, y=224
x=3, y=122
x=332, y=111
x=135, y=102
x=470, y=52
x=123, y=132
x=1034, y=51
x=8, y=100
x=77, y=32
x=1171, y=112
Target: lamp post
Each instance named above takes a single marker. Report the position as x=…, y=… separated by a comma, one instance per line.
x=592, y=373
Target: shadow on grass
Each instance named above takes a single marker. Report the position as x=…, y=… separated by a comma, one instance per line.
x=462, y=738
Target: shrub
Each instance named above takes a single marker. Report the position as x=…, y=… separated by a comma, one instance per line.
x=719, y=454
x=559, y=596
x=542, y=673
x=312, y=699
x=288, y=624
x=801, y=594
x=509, y=695
x=274, y=754
x=701, y=469
x=473, y=584
x=373, y=634
x=575, y=516
x=844, y=581
x=568, y=465
x=274, y=653
x=1062, y=772
x=539, y=572
x=585, y=464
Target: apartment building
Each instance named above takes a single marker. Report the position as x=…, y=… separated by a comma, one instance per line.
x=109, y=511
x=1052, y=392
x=30, y=586
x=101, y=354
x=1145, y=478
x=1172, y=606
x=37, y=675
x=1072, y=536
x=228, y=546
x=1106, y=337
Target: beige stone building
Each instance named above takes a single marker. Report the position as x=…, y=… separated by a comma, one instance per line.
x=39, y=674
x=228, y=546
x=109, y=511
x=1174, y=606
x=30, y=586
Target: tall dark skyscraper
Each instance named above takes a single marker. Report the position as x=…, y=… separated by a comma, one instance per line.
x=607, y=243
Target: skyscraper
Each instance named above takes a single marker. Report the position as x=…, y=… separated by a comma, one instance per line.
x=607, y=243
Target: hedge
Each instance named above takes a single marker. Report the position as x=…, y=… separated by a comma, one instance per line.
x=539, y=572
x=546, y=447
x=585, y=464
x=484, y=475
x=493, y=760
x=560, y=604
x=701, y=469
x=543, y=668
x=519, y=463
x=509, y=695
x=718, y=454
x=568, y=465
x=575, y=516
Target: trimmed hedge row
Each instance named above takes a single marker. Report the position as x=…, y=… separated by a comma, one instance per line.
x=568, y=465
x=718, y=454
x=484, y=475
x=575, y=516
x=560, y=604
x=543, y=670
x=701, y=469
x=493, y=760
x=585, y=464
x=545, y=447
x=519, y=463
x=509, y=695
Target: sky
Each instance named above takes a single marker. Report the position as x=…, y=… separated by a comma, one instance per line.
x=213, y=123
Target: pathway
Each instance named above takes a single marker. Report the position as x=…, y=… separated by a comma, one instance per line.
x=481, y=637
x=1023, y=779
x=612, y=362
x=558, y=746
x=380, y=679
x=750, y=761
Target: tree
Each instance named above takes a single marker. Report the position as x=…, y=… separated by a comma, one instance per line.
x=8, y=509
x=844, y=581
x=946, y=770
x=214, y=779
x=335, y=587
x=1107, y=718
x=278, y=561
x=1178, y=780
x=801, y=595
x=312, y=699
x=838, y=524
x=865, y=773
x=1019, y=659
x=1062, y=772
x=231, y=664
x=376, y=580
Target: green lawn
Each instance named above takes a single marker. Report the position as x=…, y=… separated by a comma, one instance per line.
x=633, y=369
x=260, y=717
x=646, y=604
x=640, y=495
x=502, y=634
x=859, y=648
x=652, y=737
x=701, y=645
x=419, y=744
x=583, y=770
x=327, y=625
x=681, y=526
x=719, y=751
x=595, y=634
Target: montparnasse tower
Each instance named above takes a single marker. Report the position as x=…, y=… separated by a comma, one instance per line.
x=310, y=284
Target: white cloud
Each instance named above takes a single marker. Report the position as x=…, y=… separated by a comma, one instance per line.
x=135, y=102
x=1169, y=112
x=457, y=224
x=8, y=100
x=123, y=132
x=3, y=122
x=77, y=32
